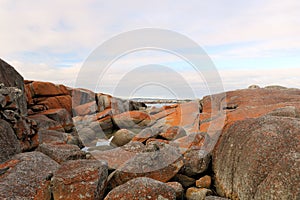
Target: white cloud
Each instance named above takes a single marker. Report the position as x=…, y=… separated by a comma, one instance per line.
x=55, y=29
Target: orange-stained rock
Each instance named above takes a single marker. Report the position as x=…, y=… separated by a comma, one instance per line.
x=142, y=188
x=27, y=176
x=65, y=102
x=62, y=152
x=173, y=133
x=62, y=116
x=145, y=134
x=247, y=103
x=118, y=156
x=45, y=123
x=158, y=161
x=47, y=89
x=85, y=109
x=132, y=120
x=82, y=96
x=80, y=180
x=56, y=102
x=195, y=140
x=204, y=182
x=29, y=94
x=186, y=116
x=242, y=104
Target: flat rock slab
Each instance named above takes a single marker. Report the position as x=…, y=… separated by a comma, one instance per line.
x=62, y=152
x=142, y=188
x=27, y=176
x=80, y=179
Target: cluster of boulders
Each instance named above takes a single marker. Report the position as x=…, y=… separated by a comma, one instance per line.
x=68, y=143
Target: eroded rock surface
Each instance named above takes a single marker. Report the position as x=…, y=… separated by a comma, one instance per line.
x=259, y=159
x=142, y=188
x=27, y=176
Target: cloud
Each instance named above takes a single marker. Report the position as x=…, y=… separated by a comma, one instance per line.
x=49, y=40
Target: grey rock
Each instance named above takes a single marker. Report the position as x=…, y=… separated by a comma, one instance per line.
x=28, y=177
x=8, y=142
x=11, y=78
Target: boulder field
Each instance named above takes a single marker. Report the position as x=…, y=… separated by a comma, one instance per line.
x=63, y=143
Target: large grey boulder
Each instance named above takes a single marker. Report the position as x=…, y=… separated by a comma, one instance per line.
x=259, y=159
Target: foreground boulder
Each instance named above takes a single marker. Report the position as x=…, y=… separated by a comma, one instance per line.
x=27, y=176
x=142, y=188
x=259, y=159
x=80, y=179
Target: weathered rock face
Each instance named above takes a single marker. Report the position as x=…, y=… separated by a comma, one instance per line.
x=62, y=152
x=132, y=120
x=194, y=193
x=178, y=189
x=80, y=179
x=259, y=159
x=11, y=78
x=243, y=104
x=118, y=156
x=142, y=188
x=61, y=116
x=51, y=136
x=44, y=96
x=10, y=112
x=27, y=176
x=8, y=142
x=158, y=161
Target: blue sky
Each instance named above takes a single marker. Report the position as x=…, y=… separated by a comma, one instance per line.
x=250, y=42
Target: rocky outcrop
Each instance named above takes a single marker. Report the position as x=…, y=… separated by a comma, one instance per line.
x=11, y=112
x=87, y=145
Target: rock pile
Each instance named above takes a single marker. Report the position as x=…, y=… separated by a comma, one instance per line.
x=69, y=143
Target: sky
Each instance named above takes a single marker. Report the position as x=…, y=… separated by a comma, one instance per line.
x=248, y=42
